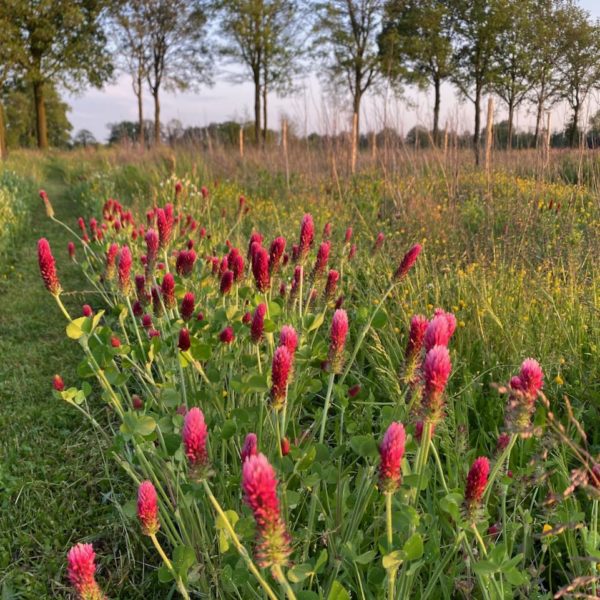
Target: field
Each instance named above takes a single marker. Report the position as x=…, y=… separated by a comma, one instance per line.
x=487, y=490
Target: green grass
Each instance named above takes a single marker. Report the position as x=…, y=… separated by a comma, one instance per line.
x=55, y=488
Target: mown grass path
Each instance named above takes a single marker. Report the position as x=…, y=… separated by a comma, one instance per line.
x=54, y=487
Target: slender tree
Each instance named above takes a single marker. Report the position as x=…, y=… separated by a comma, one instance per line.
x=478, y=25
x=132, y=40
x=179, y=58
x=416, y=46
x=346, y=38
x=266, y=37
x=56, y=40
x=545, y=44
x=512, y=80
x=579, y=62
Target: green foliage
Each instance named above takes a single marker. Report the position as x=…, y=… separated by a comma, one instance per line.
x=21, y=120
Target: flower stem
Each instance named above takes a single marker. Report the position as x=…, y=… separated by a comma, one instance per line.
x=281, y=579
x=390, y=537
x=315, y=492
x=365, y=330
x=169, y=565
x=238, y=545
x=499, y=464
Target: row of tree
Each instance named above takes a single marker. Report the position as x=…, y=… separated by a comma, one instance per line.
x=524, y=51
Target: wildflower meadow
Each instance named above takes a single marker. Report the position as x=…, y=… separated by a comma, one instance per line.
x=323, y=393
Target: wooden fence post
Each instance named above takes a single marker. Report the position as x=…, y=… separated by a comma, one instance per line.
x=489, y=138
x=284, y=142
x=354, y=143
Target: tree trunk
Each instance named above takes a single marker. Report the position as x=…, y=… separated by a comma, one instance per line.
x=3, y=151
x=264, y=107
x=139, y=93
x=356, y=109
x=40, y=113
x=256, y=106
x=477, y=123
x=538, y=116
x=573, y=141
x=157, y=139
x=436, y=110
x=511, y=115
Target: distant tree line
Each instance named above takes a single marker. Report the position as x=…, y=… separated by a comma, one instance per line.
x=528, y=53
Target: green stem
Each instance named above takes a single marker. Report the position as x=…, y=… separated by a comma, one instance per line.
x=421, y=460
x=169, y=565
x=315, y=492
x=441, y=566
x=438, y=462
x=236, y=542
x=281, y=579
x=326, y=407
x=390, y=540
x=499, y=464
x=364, y=331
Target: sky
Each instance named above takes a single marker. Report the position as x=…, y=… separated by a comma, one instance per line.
x=311, y=109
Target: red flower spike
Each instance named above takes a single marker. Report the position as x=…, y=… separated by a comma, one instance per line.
x=195, y=435
x=125, y=262
x=236, y=264
x=285, y=446
x=276, y=252
x=289, y=338
x=164, y=221
x=331, y=286
x=260, y=270
x=407, y=262
x=86, y=310
x=184, y=342
x=260, y=494
x=521, y=403
x=168, y=291
x=436, y=371
x=147, y=508
x=391, y=451
x=57, y=383
x=71, y=250
x=48, y=267
x=250, y=447
x=187, y=306
x=354, y=391
x=280, y=372
x=337, y=340
x=439, y=330
x=227, y=336
x=258, y=323
x=307, y=234
x=226, y=282
x=477, y=482
x=152, y=244
x=111, y=259
x=47, y=204
x=532, y=377
x=81, y=569
x=321, y=261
